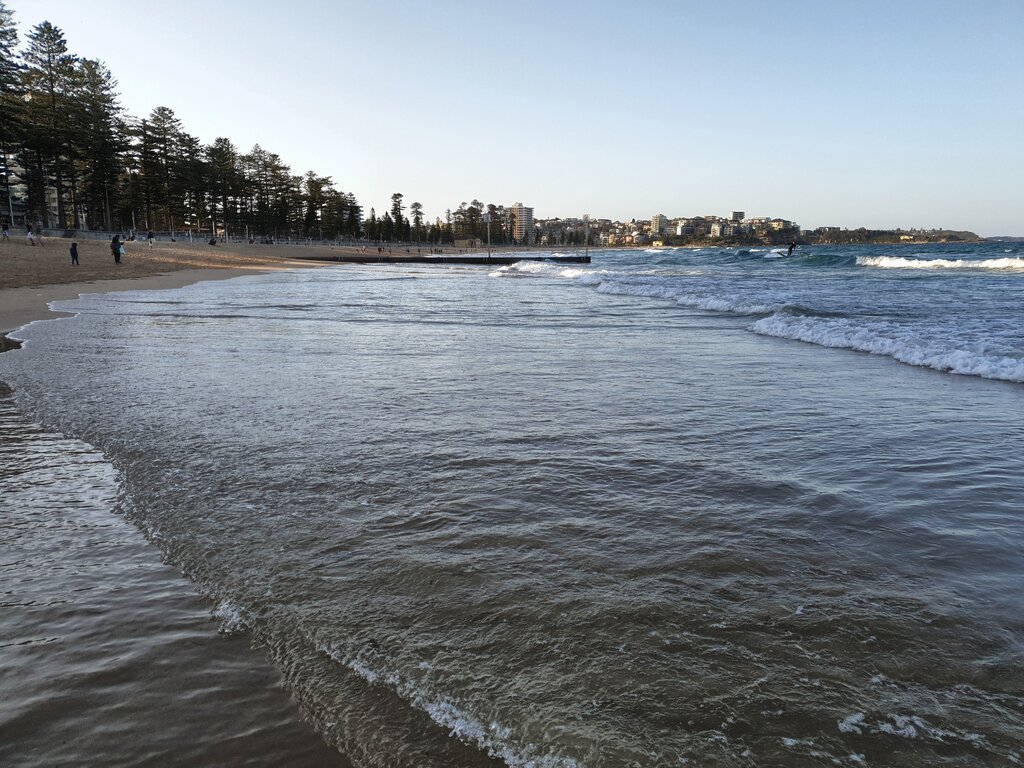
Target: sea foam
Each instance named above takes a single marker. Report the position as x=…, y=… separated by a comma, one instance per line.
x=651, y=284
x=891, y=341
x=494, y=738
x=232, y=618
x=1015, y=264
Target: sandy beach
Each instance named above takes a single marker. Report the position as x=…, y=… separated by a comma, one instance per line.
x=31, y=276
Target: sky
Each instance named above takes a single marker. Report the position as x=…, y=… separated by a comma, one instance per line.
x=904, y=113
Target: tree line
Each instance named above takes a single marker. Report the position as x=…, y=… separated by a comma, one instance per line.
x=74, y=160
x=468, y=221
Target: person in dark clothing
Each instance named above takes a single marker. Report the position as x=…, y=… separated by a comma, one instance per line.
x=115, y=249
x=789, y=251
x=74, y=254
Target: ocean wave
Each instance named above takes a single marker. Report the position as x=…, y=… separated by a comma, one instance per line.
x=550, y=269
x=891, y=341
x=1012, y=263
x=494, y=738
x=908, y=727
x=670, y=290
x=652, y=284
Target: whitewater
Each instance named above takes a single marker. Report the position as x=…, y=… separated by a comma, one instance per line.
x=952, y=308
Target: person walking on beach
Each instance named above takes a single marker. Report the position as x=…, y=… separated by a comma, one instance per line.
x=7, y=231
x=150, y=238
x=29, y=236
x=115, y=249
x=74, y=254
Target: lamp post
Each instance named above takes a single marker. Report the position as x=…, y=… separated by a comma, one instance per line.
x=7, y=183
x=586, y=234
x=487, y=220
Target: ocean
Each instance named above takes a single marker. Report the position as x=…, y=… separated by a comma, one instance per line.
x=709, y=507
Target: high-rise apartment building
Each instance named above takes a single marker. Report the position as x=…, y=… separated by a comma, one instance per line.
x=658, y=224
x=522, y=223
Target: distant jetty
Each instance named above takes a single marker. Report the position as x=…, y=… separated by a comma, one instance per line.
x=377, y=258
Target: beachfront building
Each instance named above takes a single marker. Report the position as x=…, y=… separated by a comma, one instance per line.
x=736, y=217
x=15, y=193
x=658, y=224
x=521, y=219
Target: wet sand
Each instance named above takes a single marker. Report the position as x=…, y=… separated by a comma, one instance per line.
x=31, y=276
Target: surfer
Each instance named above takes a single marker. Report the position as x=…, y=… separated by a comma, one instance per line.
x=789, y=251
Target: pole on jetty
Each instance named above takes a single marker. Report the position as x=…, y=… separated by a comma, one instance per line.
x=487, y=219
x=586, y=234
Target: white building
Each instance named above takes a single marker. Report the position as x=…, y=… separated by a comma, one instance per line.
x=658, y=224
x=522, y=223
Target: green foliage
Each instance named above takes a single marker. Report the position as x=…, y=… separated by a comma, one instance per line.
x=60, y=117
x=46, y=85
x=11, y=104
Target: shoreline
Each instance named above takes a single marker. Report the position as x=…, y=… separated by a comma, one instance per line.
x=159, y=624
x=27, y=304
x=101, y=603
x=33, y=276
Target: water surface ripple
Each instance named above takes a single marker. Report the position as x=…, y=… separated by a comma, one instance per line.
x=477, y=520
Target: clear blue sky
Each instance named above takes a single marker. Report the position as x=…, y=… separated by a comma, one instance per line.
x=880, y=114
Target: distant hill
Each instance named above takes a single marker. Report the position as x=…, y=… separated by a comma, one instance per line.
x=1004, y=239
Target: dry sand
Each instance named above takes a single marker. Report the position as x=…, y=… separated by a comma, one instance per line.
x=31, y=276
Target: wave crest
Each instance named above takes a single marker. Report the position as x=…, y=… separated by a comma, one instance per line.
x=890, y=342
x=494, y=738
x=1010, y=263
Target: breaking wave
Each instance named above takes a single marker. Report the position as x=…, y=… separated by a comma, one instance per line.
x=494, y=738
x=820, y=315
x=1010, y=263
x=891, y=340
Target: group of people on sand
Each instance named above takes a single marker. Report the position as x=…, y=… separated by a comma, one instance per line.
x=116, y=250
x=32, y=237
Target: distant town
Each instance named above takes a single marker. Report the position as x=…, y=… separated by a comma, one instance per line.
x=476, y=224
x=735, y=229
